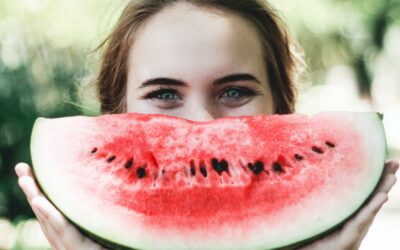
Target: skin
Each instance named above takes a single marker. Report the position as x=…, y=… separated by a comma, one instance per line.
x=207, y=66
x=210, y=65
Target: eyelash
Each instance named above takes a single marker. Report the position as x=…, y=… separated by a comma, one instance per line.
x=244, y=91
x=161, y=90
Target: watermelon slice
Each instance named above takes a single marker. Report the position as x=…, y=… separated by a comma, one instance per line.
x=256, y=182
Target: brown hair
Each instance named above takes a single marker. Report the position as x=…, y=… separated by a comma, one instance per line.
x=281, y=62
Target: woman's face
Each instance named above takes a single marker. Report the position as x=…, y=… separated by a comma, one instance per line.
x=199, y=64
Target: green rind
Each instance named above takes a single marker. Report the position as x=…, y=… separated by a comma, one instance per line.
x=336, y=227
x=379, y=117
x=104, y=242
x=113, y=245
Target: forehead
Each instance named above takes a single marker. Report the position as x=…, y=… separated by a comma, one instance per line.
x=187, y=41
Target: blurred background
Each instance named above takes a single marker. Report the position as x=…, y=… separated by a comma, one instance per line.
x=352, y=48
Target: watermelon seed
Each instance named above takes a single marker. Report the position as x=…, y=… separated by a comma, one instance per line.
x=298, y=157
x=192, y=171
x=277, y=168
x=214, y=163
x=141, y=172
x=330, y=144
x=111, y=158
x=257, y=167
x=129, y=163
x=203, y=171
x=219, y=166
x=94, y=150
x=317, y=150
x=192, y=168
x=225, y=166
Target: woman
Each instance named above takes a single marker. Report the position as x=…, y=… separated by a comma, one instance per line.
x=199, y=60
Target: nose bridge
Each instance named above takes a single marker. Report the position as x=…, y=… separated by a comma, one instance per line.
x=200, y=109
x=202, y=114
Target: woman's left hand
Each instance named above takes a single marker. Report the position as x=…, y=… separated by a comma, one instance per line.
x=350, y=235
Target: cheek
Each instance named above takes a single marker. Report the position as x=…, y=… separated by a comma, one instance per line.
x=260, y=106
x=142, y=107
x=138, y=106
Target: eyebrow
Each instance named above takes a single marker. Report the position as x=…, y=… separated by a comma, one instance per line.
x=175, y=82
x=163, y=81
x=236, y=78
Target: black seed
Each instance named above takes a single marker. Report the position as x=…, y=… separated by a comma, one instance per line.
x=203, y=171
x=317, y=150
x=224, y=165
x=219, y=166
x=258, y=167
x=94, y=150
x=140, y=172
x=214, y=162
x=163, y=171
x=129, y=163
x=250, y=166
x=111, y=158
x=298, y=157
x=193, y=171
x=277, y=168
x=192, y=168
x=330, y=144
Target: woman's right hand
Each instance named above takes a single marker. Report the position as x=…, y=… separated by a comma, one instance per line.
x=61, y=234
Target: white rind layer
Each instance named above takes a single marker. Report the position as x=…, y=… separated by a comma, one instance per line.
x=298, y=223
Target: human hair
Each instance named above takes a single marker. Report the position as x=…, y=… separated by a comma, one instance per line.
x=279, y=57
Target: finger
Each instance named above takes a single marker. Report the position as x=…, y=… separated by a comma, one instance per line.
x=54, y=237
x=58, y=224
x=391, y=167
x=49, y=233
x=363, y=233
x=388, y=177
x=28, y=185
x=23, y=169
x=31, y=191
x=356, y=228
x=91, y=245
x=366, y=214
x=50, y=236
x=358, y=237
x=386, y=184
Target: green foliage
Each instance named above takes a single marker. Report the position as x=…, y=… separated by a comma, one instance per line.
x=44, y=47
x=23, y=99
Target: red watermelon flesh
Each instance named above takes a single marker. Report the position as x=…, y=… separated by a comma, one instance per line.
x=161, y=182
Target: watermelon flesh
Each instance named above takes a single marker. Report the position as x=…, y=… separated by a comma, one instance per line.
x=254, y=182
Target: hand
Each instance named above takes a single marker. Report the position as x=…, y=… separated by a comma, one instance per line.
x=350, y=235
x=59, y=232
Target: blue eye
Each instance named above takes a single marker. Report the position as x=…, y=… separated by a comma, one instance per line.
x=167, y=95
x=236, y=93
